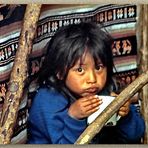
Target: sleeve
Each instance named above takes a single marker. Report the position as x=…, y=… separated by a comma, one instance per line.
x=49, y=121
x=132, y=126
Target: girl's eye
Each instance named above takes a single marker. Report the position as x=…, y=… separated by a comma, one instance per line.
x=99, y=67
x=80, y=69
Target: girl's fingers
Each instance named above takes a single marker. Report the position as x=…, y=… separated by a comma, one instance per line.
x=91, y=101
x=123, y=111
x=85, y=99
x=92, y=110
x=122, y=114
x=92, y=106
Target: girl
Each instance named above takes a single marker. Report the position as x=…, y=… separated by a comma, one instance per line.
x=78, y=66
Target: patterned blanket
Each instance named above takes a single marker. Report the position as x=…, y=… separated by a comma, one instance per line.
x=119, y=20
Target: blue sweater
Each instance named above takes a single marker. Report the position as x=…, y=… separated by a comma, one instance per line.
x=50, y=123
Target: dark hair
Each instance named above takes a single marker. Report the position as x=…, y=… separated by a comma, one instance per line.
x=68, y=45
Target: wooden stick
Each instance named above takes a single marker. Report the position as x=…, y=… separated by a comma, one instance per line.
x=99, y=122
x=142, y=58
x=19, y=73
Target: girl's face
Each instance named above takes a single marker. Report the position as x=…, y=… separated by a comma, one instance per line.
x=85, y=78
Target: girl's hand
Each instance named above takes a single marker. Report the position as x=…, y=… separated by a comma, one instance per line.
x=84, y=107
x=124, y=110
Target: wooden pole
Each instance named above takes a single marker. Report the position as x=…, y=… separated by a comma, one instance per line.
x=99, y=122
x=18, y=74
x=142, y=43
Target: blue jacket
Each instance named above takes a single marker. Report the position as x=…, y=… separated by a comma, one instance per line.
x=49, y=123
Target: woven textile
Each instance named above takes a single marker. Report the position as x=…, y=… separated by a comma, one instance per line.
x=11, y=17
x=119, y=20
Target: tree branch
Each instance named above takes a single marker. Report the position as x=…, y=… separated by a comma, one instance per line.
x=99, y=122
x=18, y=74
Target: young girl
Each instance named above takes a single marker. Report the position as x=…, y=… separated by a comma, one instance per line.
x=77, y=68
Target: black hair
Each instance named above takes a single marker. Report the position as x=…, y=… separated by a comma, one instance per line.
x=68, y=45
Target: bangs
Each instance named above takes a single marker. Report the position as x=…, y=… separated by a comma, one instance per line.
x=98, y=54
x=75, y=54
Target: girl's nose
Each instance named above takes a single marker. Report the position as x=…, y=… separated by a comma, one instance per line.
x=91, y=77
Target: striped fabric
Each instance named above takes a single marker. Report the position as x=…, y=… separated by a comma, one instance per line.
x=119, y=20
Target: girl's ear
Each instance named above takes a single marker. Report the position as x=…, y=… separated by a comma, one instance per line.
x=59, y=77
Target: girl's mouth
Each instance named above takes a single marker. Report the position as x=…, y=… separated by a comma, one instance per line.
x=91, y=91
